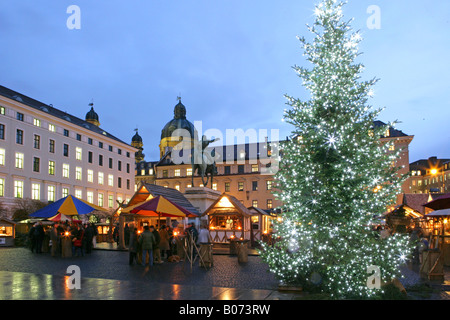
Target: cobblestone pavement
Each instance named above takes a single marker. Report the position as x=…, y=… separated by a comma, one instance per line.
x=107, y=275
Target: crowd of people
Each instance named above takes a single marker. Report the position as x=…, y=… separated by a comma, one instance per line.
x=152, y=245
x=82, y=237
x=158, y=245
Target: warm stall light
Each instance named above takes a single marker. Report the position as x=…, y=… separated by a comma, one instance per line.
x=175, y=233
x=265, y=231
x=239, y=228
x=232, y=236
x=433, y=171
x=66, y=233
x=445, y=220
x=225, y=203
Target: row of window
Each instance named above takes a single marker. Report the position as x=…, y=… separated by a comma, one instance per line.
x=19, y=164
x=52, y=128
x=188, y=172
x=78, y=150
x=51, y=193
x=269, y=204
x=430, y=181
x=227, y=186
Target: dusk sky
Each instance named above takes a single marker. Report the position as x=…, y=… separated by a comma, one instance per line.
x=231, y=62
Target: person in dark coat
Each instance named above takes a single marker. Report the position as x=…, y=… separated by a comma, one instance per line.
x=146, y=241
x=156, y=251
x=55, y=238
x=164, y=246
x=88, y=236
x=77, y=234
x=116, y=234
x=126, y=232
x=32, y=238
x=133, y=245
x=39, y=235
x=193, y=235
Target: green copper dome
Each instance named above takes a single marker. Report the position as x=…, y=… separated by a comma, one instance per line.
x=179, y=121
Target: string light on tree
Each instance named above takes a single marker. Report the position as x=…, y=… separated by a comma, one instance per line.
x=334, y=175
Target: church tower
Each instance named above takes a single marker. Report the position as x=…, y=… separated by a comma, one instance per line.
x=136, y=142
x=92, y=116
x=179, y=121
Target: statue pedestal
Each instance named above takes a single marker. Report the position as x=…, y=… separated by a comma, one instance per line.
x=201, y=197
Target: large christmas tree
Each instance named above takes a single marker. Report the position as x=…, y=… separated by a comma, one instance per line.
x=335, y=175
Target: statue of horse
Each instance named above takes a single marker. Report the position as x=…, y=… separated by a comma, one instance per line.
x=204, y=165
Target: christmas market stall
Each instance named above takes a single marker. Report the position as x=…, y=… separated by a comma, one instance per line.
x=228, y=220
x=158, y=206
x=439, y=232
x=262, y=222
x=402, y=218
x=102, y=231
x=439, y=226
x=7, y=232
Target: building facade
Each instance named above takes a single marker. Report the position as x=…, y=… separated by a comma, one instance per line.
x=401, y=141
x=243, y=170
x=46, y=154
x=240, y=173
x=430, y=175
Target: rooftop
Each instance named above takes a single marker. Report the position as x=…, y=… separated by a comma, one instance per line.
x=35, y=104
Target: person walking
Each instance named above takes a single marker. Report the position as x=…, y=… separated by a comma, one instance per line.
x=133, y=245
x=146, y=241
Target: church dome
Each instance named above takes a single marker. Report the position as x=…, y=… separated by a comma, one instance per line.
x=92, y=116
x=179, y=121
x=136, y=138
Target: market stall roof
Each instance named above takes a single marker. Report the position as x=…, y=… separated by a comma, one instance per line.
x=61, y=217
x=227, y=204
x=259, y=211
x=416, y=201
x=69, y=205
x=439, y=213
x=408, y=211
x=148, y=191
x=7, y=221
x=159, y=206
x=443, y=202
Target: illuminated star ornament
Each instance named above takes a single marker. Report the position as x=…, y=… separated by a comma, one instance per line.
x=331, y=141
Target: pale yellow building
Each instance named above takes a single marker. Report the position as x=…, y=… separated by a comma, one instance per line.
x=47, y=154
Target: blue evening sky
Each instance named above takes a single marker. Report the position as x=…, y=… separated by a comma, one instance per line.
x=230, y=60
